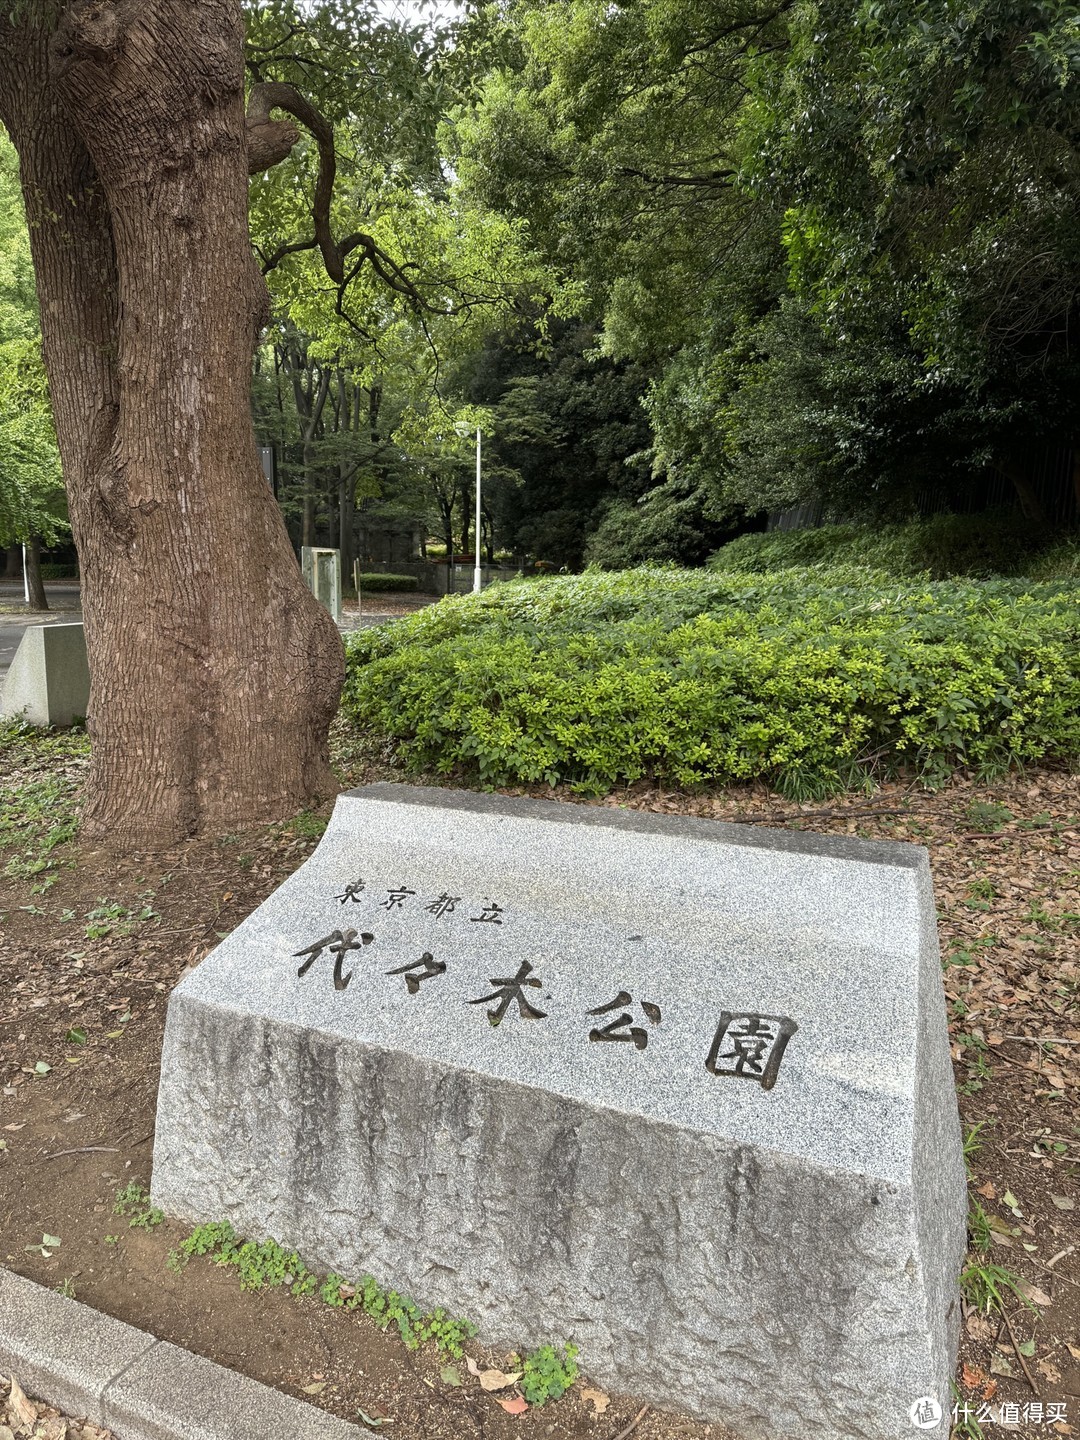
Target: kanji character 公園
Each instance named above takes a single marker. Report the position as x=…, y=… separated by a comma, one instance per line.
x=756, y=1049
x=616, y=1030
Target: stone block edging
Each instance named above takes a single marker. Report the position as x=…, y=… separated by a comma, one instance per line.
x=88, y=1364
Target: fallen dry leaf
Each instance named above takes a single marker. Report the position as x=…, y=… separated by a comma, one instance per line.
x=5, y=1433
x=599, y=1400
x=24, y=1412
x=497, y=1379
x=980, y=1327
x=492, y=1379
x=1048, y=1371
x=999, y=1365
x=316, y=1389
x=973, y=1377
x=1033, y=1293
x=516, y=1405
x=1074, y=1350
x=1063, y=1202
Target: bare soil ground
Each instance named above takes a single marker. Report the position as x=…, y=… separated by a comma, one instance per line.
x=92, y=944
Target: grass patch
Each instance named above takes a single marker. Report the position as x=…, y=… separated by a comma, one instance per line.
x=40, y=775
x=267, y=1265
x=133, y=1202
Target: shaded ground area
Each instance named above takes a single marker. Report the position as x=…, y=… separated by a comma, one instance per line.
x=30, y=1419
x=92, y=945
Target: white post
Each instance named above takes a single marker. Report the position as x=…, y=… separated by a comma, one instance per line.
x=477, y=582
x=26, y=576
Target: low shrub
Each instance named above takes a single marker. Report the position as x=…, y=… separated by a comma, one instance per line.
x=59, y=572
x=998, y=542
x=389, y=582
x=801, y=678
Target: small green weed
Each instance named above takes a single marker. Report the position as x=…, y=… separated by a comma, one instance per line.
x=66, y=1288
x=307, y=825
x=134, y=1203
x=266, y=1264
x=966, y=1425
x=112, y=917
x=972, y=1145
x=988, y=814
x=986, y=1285
x=548, y=1373
x=979, y=1228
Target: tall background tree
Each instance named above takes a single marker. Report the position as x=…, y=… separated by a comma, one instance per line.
x=839, y=235
x=32, y=509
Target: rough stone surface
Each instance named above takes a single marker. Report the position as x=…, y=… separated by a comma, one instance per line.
x=60, y=1350
x=782, y=1259
x=170, y=1394
x=49, y=681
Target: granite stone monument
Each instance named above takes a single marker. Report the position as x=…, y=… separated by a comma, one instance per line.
x=677, y=1090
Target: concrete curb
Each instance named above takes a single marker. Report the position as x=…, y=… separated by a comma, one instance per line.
x=88, y=1364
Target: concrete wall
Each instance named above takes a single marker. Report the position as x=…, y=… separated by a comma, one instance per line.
x=49, y=679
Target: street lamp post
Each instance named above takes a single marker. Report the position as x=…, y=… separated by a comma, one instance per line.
x=477, y=581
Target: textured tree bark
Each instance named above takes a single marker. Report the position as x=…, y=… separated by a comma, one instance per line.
x=214, y=673
x=34, y=583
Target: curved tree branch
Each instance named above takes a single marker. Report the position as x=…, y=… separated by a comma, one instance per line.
x=268, y=137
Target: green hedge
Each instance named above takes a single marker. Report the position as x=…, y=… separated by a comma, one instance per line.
x=997, y=542
x=801, y=678
x=59, y=572
x=389, y=582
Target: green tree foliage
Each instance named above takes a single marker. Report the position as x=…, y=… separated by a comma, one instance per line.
x=31, y=489
x=570, y=438
x=926, y=156
x=840, y=232
x=354, y=390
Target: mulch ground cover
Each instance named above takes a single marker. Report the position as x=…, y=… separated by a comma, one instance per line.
x=93, y=943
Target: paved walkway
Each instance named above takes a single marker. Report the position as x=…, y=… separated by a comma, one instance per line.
x=65, y=608
x=63, y=599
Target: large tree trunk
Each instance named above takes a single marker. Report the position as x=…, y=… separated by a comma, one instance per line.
x=214, y=673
